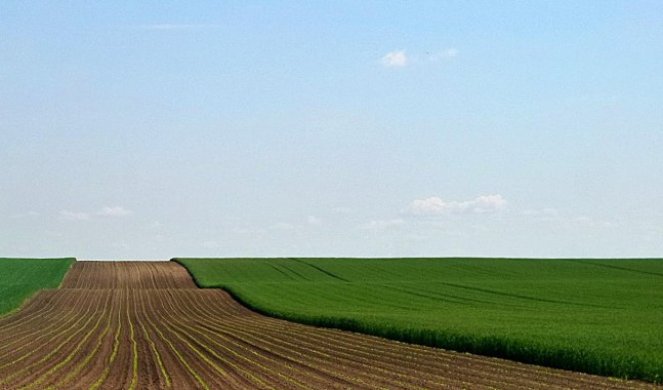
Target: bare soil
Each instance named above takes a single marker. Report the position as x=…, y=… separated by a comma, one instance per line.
x=145, y=325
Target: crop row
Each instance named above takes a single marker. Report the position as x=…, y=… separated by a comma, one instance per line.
x=126, y=274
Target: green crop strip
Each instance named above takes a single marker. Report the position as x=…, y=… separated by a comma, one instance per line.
x=596, y=316
x=21, y=278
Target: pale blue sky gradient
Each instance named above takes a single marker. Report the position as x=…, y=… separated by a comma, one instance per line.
x=155, y=130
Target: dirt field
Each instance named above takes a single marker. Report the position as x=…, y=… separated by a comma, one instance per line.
x=145, y=325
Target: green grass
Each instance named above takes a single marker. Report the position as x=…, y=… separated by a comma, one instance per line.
x=598, y=316
x=20, y=278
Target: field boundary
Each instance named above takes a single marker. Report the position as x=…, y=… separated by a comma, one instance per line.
x=71, y=265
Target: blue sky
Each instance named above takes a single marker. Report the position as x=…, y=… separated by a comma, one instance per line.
x=351, y=128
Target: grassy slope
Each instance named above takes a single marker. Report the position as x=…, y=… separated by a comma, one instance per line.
x=597, y=316
x=20, y=278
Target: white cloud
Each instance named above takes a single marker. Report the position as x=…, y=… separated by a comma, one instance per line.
x=395, y=59
x=341, y=210
x=52, y=233
x=74, y=215
x=282, y=226
x=437, y=206
x=382, y=225
x=445, y=54
x=115, y=211
x=487, y=203
x=399, y=59
x=586, y=221
x=552, y=215
x=29, y=214
x=112, y=212
x=311, y=220
x=242, y=230
x=174, y=26
x=547, y=212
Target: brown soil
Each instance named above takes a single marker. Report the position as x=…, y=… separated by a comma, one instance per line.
x=130, y=325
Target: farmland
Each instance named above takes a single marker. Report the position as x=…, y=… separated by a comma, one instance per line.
x=596, y=316
x=146, y=325
x=20, y=278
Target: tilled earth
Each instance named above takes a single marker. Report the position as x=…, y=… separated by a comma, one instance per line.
x=145, y=325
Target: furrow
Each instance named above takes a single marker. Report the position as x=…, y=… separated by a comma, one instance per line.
x=252, y=369
x=49, y=334
x=41, y=363
x=76, y=352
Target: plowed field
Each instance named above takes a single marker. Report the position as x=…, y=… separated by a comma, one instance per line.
x=145, y=325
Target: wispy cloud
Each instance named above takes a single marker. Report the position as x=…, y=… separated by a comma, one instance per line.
x=437, y=206
x=547, y=213
x=590, y=222
x=114, y=211
x=29, y=214
x=382, y=225
x=554, y=217
x=68, y=215
x=341, y=210
x=104, y=212
x=395, y=59
x=400, y=59
x=173, y=26
x=313, y=220
x=443, y=55
x=282, y=226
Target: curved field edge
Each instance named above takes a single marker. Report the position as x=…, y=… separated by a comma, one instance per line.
x=564, y=356
x=22, y=278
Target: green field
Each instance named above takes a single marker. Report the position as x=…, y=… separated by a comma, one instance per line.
x=597, y=316
x=20, y=278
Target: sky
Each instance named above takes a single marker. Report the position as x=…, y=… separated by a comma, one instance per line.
x=149, y=130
